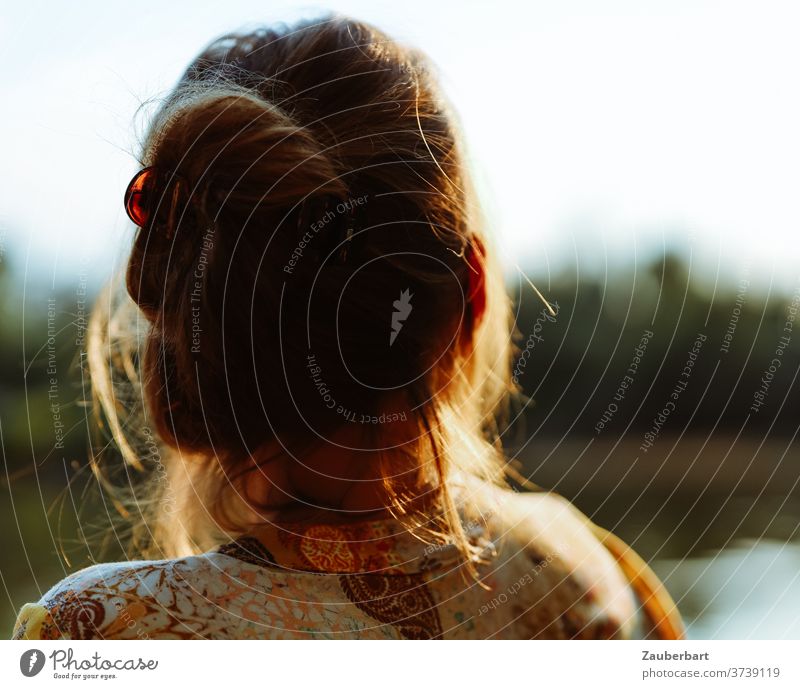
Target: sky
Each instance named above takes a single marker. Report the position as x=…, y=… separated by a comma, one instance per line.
x=601, y=134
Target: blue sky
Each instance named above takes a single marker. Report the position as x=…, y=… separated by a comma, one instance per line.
x=599, y=132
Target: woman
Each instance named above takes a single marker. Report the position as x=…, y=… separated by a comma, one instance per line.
x=317, y=332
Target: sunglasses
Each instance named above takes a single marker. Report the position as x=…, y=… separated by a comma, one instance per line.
x=139, y=196
x=143, y=195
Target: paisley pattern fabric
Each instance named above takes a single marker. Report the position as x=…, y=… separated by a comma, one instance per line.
x=403, y=601
x=542, y=573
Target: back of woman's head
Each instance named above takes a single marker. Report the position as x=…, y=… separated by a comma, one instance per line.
x=313, y=258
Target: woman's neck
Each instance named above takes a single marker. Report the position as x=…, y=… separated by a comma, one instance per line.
x=341, y=478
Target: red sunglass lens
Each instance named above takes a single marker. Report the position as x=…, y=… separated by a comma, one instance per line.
x=138, y=197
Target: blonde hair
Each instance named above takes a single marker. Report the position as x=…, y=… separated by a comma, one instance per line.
x=263, y=152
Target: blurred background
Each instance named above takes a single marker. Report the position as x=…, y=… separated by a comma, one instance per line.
x=638, y=161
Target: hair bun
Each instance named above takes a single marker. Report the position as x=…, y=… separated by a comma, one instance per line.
x=217, y=156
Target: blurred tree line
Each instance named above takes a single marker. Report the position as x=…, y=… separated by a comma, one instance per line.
x=578, y=374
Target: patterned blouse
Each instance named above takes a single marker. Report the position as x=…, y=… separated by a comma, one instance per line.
x=545, y=572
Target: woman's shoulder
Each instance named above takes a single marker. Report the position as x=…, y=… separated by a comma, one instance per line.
x=119, y=600
x=559, y=579
x=578, y=566
x=541, y=518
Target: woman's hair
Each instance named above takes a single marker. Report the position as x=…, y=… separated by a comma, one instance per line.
x=314, y=258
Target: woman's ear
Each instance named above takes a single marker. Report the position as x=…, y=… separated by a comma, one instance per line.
x=476, y=282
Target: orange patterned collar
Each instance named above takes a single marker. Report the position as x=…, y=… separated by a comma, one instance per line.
x=379, y=546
